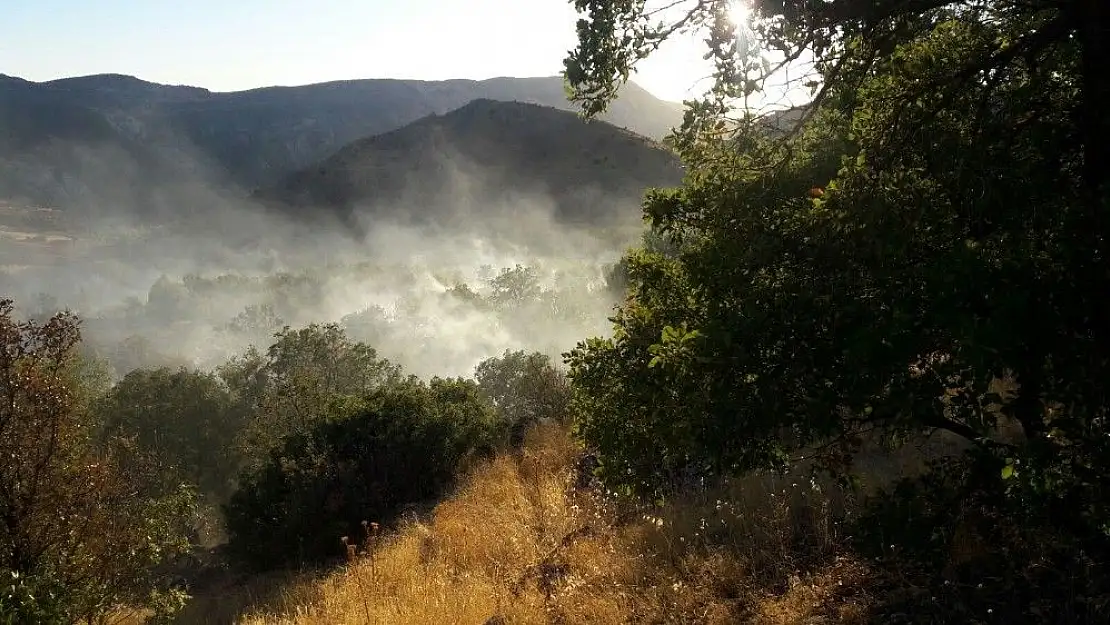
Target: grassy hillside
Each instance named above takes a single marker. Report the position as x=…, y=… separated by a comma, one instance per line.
x=523, y=542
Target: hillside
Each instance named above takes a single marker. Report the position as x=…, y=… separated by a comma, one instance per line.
x=101, y=140
x=521, y=541
x=487, y=156
x=94, y=148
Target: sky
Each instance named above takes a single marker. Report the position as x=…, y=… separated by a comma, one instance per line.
x=229, y=45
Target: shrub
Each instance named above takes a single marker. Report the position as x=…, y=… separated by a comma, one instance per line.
x=307, y=376
x=184, y=418
x=973, y=550
x=31, y=599
x=80, y=533
x=404, y=446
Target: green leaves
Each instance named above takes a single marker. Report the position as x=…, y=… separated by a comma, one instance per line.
x=405, y=446
x=183, y=418
x=674, y=341
x=947, y=254
x=82, y=531
x=525, y=388
x=312, y=374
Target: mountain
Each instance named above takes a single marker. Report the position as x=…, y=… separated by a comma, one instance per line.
x=101, y=143
x=297, y=126
x=109, y=138
x=489, y=157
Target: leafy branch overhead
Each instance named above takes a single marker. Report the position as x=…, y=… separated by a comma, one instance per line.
x=924, y=249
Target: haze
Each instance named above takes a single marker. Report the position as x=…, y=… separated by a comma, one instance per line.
x=230, y=46
x=182, y=268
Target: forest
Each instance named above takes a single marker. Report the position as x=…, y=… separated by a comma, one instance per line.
x=854, y=372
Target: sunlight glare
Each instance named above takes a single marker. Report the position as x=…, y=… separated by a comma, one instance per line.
x=739, y=13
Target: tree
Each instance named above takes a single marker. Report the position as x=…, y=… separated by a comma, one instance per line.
x=256, y=323
x=525, y=389
x=137, y=351
x=934, y=221
x=76, y=535
x=306, y=376
x=186, y=419
x=370, y=325
x=928, y=233
x=167, y=299
x=515, y=287
x=404, y=447
x=463, y=293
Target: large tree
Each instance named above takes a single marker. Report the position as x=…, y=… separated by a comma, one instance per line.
x=934, y=222
x=186, y=419
x=525, y=389
x=308, y=375
x=77, y=536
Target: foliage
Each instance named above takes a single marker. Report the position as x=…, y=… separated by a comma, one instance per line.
x=78, y=535
x=931, y=225
x=136, y=351
x=525, y=389
x=403, y=447
x=306, y=376
x=400, y=309
x=515, y=287
x=517, y=543
x=185, y=419
x=25, y=599
x=258, y=323
x=369, y=325
x=975, y=551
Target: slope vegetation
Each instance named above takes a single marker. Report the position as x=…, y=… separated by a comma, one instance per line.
x=523, y=542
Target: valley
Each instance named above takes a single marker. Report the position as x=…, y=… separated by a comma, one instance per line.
x=155, y=201
x=822, y=344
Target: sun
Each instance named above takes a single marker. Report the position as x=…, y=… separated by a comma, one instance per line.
x=739, y=12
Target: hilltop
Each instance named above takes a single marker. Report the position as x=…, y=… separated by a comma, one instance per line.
x=487, y=157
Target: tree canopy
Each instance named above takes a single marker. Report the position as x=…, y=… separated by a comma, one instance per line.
x=77, y=535
x=929, y=235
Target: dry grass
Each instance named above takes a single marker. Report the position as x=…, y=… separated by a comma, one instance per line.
x=225, y=598
x=519, y=544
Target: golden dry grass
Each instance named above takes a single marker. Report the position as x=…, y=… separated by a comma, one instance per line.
x=519, y=544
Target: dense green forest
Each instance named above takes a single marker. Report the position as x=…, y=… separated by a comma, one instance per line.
x=921, y=258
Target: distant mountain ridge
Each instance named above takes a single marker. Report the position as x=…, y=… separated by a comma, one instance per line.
x=490, y=157
x=104, y=139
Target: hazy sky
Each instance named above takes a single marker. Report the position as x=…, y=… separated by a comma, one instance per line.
x=228, y=45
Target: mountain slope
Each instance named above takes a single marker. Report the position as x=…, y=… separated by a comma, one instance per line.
x=294, y=127
x=58, y=138
x=94, y=148
x=486, y=159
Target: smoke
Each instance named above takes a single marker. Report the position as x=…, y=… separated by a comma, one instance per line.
x=191, y=273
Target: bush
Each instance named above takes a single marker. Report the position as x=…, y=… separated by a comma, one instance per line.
x=405, y=446
x=26, y=599
x=185, y=419
x=972, y=550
